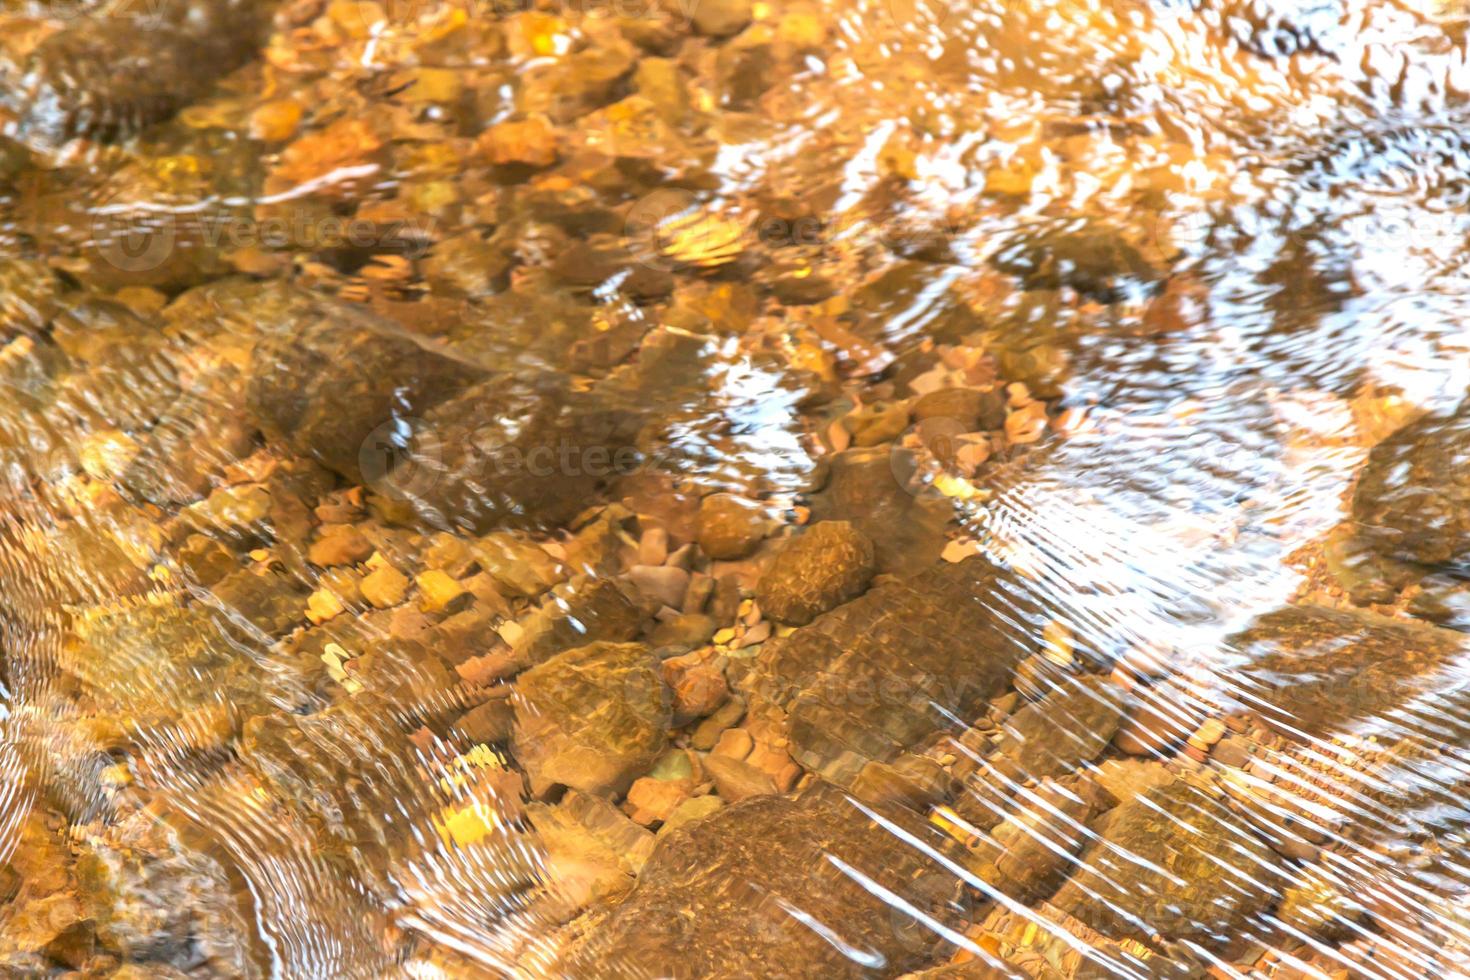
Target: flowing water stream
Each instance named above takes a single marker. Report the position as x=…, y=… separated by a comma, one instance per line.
x=734, y=488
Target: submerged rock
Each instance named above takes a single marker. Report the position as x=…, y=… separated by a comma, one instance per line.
x=898, y=663
x=775, y=887
x=829, y=564
x=1172, y=861
x=326, y=376
x=592, y=719
x=1412, y=502
x=1318, y=671
x=107, y=75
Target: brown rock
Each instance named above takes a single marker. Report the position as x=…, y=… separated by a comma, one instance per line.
x=698, y=684
x=736, y=780
x=592, y=718
x=730, y=527
x=830, y=563
x=973, y=409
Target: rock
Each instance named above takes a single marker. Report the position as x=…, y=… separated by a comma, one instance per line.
x=653, y=546
x=1310, y=670
x=708, y=732
x=385, y=587
x=736, y=780
x=1089, y=256
x=339, y=544
x=581, y=611
x=441, y=593
x=698, y=685
x=730, y=527
x=1172, y=861
x=721, y=18
x=327, y=375
x=684, y=631
x=875, y=676
x=66, y=86
x=529, y=143
x=593, y=852
x=592, y=718
x=519, y=567
x=912, y=781
x=1158, y=720
x=876, y=424
x=665, y=583
x=1070, y=727
x=690, y=810
x=1412, y=502
x=829, y=564
x=1027, y=853
x=1317, y=905
x=974, y=410
x=651, y=801
x=863, y=487
x=715, y=899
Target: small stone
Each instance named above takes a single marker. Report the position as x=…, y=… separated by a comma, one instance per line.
x=709, y=732
x=1154, y=726
x=876, y=424
x=385, y=587
x=439, y=593
x=652, y=801
x=973, y=409
x=736, y=780
x=665, y=583
x=1207, y=735
x=734, y=743
x=275, y=121
x=698, y=684
x=591, y=718
x=686, y=630
x=529, y=142
x=828, y=564
x=690, y=810
x=339, y=544
x=653, y=547
x=721, y=18
x=701, y=587
x=730, y=527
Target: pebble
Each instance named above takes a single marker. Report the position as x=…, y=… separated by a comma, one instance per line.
x=708, y=733
x=972, y=408
x=876, y=424
x=652, y=801
x=385, y=588
x=730, y=527
x=721, y=18
x=439, y=593
x=736, y=780
x=665, y=583
x=529, y=142
x=830, y=563
x=701, y=587
x=653, y=547
x=692, y=809
x=1207, y=734
x=698, y=685
x=734, y=743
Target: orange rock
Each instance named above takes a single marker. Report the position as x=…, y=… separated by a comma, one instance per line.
x=529, y=142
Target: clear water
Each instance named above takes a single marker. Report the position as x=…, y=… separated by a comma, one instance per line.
x=353, y=352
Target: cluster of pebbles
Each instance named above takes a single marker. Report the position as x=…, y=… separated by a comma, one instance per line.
x=316, y=673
